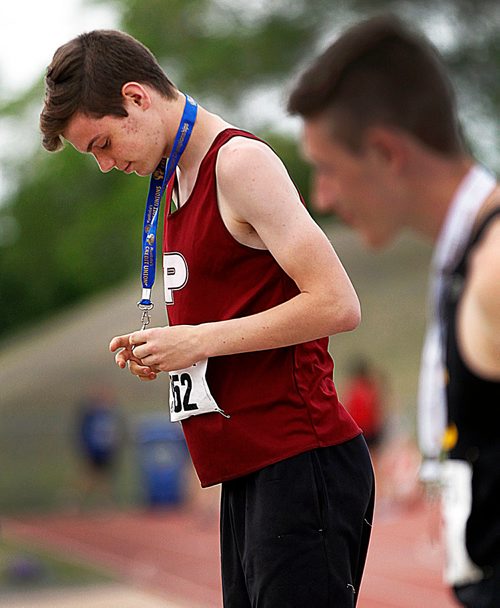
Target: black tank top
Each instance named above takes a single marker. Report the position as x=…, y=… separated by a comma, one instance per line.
x=474, y=408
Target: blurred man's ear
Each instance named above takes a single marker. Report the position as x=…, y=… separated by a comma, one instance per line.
x=386, y=147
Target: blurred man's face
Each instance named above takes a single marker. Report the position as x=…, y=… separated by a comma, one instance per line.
x=354, y=186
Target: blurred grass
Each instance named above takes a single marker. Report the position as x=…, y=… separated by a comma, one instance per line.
x=24, y=567
x=42, y=474
x=44, y=371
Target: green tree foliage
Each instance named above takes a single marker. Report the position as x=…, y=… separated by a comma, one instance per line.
x=77, y=233
x=68, y=231
x=220, y=49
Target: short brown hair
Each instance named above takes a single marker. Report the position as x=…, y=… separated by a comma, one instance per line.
x=87, y=74
x=380, y=72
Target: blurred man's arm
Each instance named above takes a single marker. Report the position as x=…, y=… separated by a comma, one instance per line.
x=479, y=315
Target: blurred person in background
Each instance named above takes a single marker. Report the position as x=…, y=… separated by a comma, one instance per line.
x=381, y=129
x=253, y=288
x=367, y=397
x=100, y=435
x=364, y=399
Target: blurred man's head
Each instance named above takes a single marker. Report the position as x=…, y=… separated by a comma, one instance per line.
x=376, y=100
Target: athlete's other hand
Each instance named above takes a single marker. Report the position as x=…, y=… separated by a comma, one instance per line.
x=166, y=349
x=125, y=357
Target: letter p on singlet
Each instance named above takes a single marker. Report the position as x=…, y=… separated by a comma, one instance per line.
x=175, y=274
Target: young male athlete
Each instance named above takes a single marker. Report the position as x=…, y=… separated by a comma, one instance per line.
x=253, y=288
x=381, y=129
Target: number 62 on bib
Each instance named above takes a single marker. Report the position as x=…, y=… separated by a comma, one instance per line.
x=190, y=394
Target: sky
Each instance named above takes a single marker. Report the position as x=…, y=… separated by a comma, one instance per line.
x=31, y=30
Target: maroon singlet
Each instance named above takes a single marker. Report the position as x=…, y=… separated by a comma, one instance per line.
x=281, y=402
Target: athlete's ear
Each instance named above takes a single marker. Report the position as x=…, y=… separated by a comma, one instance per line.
x=137, y=94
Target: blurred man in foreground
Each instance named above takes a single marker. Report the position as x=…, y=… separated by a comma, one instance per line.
x=382, y=133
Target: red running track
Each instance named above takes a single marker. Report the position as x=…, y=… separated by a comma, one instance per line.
x=176, y=554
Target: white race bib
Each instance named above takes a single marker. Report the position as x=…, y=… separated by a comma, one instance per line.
x=456, y=506
x=189, y=393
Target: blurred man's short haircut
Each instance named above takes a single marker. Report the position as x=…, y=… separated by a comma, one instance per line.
x=381, y=73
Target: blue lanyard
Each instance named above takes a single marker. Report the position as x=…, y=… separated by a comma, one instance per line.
x=159, y=180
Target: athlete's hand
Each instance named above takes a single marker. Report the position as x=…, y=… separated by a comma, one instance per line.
x=126, y=357
x=166, y=348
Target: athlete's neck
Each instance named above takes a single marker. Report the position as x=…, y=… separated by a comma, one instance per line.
x=206, y=128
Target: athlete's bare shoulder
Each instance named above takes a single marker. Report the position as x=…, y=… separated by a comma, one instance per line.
x=256, y=196
x=244, y=154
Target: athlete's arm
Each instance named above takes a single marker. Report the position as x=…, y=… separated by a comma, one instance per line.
x=254, y=185
x=479, y=314
x=261, y=202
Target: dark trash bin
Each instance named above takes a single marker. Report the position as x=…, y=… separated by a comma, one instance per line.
x=162, y=457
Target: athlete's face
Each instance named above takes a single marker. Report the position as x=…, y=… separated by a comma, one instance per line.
x=355, y=186
x=135, y=143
